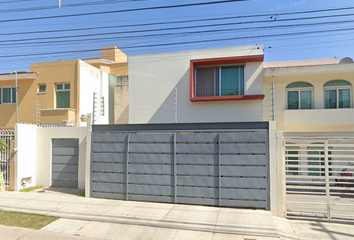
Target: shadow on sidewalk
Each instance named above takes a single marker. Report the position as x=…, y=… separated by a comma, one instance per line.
x=70, y=191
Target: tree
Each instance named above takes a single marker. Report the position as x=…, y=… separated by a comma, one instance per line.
x=3, y=146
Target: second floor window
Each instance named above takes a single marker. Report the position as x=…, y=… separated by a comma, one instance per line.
x=62, y=95
x=8, y=95
x=337, y=94
x=219, y=81
x=42, y=88
x=299, y=95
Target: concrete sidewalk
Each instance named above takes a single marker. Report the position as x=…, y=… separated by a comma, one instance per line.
x=115, y=219
x=16, y=233
x=313, y=230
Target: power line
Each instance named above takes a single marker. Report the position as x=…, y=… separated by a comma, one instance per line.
x=15, y=1
x=65, y=6
x=195, y=26
x=185, y=42
x=122, y=10
x=16, y=41
x=175, y=6
x=177, y=22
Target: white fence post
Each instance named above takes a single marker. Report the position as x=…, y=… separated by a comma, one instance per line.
x=280, y=175
x=328, y=200
x=273, y=184
x=88, y=157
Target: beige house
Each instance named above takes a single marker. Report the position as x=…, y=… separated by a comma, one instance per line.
x=310, y=96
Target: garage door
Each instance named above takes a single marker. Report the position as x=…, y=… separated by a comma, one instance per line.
x=214, y=167
x=65, y=163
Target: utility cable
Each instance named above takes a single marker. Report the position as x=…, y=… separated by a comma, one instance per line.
x=194, y=26
x=23, y=41
x=122, y=10
x=185, y=42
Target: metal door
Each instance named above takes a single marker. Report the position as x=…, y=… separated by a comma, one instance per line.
x=65, y=163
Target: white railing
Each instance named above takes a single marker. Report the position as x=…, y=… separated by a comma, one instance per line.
x=320, y=178
x=5, y=158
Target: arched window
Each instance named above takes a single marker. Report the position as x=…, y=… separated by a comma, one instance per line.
x=299, y=95
x=337, y=94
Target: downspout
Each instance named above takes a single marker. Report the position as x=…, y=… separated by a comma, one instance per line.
x=16, y=97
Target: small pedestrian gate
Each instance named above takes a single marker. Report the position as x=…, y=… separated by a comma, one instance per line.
x=5, y=158
x=65, y=154
x=208, y=164
x=319, y=178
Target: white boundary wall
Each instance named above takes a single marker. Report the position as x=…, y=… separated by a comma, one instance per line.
x=25, y=157
x=33, y=159
x=44, y=152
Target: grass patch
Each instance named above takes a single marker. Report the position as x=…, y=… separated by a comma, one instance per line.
x=25, y=220
x=30, y=189
x=81, y=195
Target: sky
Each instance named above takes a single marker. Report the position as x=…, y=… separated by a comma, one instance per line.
x=33, y=31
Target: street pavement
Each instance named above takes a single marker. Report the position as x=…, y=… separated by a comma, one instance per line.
x=115, y=219
x=90, y=218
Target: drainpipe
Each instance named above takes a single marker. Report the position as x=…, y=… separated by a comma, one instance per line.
x=16, y=96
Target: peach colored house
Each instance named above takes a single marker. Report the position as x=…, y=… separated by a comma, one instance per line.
x=60, y=92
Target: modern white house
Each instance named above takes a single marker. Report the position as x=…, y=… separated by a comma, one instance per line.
x=215, y=85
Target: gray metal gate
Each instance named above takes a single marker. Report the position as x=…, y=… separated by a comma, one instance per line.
x=319, y=178
x=209, y=164
x=65, y=163
x=5, y=158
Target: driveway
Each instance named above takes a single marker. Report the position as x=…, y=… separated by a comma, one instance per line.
x=115, y=219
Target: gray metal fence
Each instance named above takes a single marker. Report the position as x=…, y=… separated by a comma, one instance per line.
x=319, y=178
x=208, y=164
x=5, y=158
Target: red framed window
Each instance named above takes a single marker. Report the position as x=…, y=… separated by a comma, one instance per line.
x=220, y=79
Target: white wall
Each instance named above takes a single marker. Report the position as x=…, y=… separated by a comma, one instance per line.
x=25, y=157
x=93, y=80
x=154, y=78
x=44, y=152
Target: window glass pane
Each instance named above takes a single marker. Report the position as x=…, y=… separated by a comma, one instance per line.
x=306, y=99
x=330, y=98
x=337, y=83
x=293, y=99
x=63, y=99
x=344, y=98
x=42, y=88
x=67, y=86
x=232, y=80
x=13, y=95
x=59, y=86
x=299, y=85
x=6, y=95
x=205, y=84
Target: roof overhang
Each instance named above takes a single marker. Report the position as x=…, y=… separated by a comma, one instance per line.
x=301, y=70
x=20, y=76
x=98, y=60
